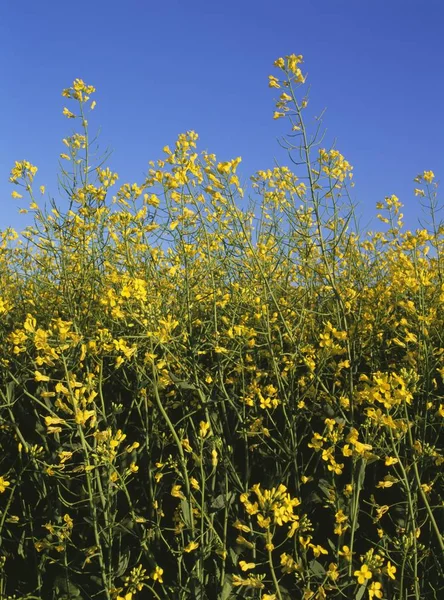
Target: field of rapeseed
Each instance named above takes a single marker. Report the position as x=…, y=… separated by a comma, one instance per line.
x=203, y=401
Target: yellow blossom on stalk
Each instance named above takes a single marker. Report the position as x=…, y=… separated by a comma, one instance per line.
x=293, y=528
x=176, y=492
x=375, y=590
x=246, y=566
x=67, y=113
x=40, y=377
x=241, y=526
x=363, y=574
x=318, y=550
x=387, y=483
x=340, y=517
x=22, y=169
x=244, y=542
x=49, y=421
x=251, y=581
x=426, y=487
x=64, y=455
x=82, y=417
x=262, y=522
x=186, y=445
x=333, y=572
x=380, y=511
x=156, y=575
x=16, y=195
x=194, y=483
x=30, y=323
x=133, y=446
x=288, y=564
x=428, y=176
x=191, y=546
x=3, y=484
x=273, y=82
x=391, y=570
x=304, y=541
x=346, y=553
x=204, y=428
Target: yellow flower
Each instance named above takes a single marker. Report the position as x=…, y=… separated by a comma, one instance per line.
x=238, y=525
x=40, y=377
x=262, y=522
x=3, y=484
x=194, y=483
x=156, y=575
x=186, y=445
x=363, y=574
x=391, y=570
x=244, y=542
x=176, y=492
x=318, y=550
x=82, y=417
x=340, y=517
x=390, y=460
x=385, y=484
x=204, y=428
x=273, y=82
x=346, y=553
x=49, y=421
x=246, y=566
x=426, y=487
x=191, y=546
x=15, y=194
x=428, y=176
x=375, y=590
x=304, y=541
x=67, y=113
x=333, y=572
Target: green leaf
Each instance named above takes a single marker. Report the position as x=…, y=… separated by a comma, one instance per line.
x=331, y=544
x=361, y=592
x=186, y=512
x=123, y=563
x=222, y=500
x=226, y=590
x=316, y=568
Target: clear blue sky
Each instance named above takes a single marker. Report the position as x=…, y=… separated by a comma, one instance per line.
x=161, y=68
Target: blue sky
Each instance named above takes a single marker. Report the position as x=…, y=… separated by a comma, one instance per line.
x=162, y=68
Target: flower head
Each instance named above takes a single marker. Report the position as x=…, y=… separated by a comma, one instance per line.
x=363, y=574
